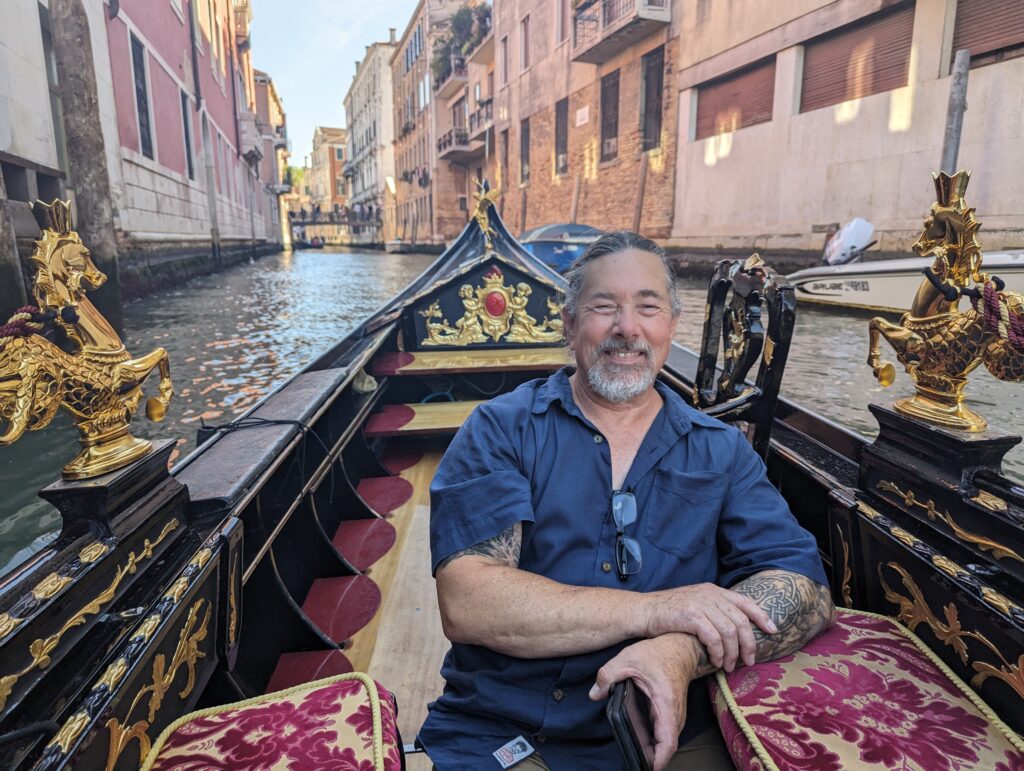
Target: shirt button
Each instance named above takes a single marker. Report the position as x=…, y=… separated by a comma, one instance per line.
x=598, y=439
x=606, y=567
x=558, y=695
x=541, y=738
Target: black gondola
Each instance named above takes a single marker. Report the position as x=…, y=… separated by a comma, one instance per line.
x=248, y=568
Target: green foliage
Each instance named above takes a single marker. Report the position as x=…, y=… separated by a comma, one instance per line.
x=295, y=175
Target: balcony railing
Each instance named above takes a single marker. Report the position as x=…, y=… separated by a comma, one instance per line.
x=482, y=119
x=454, y=79
x=453, y=139
x=603, y=28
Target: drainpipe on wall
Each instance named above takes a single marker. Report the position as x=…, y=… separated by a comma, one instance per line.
x=208, y=166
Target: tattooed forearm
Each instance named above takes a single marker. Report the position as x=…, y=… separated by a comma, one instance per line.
x=503, y=548
x=798, y=606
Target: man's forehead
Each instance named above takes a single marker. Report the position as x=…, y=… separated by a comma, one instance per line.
x=629, y=272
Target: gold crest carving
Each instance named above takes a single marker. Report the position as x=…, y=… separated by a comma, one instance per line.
x=494, y=312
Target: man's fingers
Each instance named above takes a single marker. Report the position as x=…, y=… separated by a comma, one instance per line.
x=711, y=639
x=730, y=637
x=605, y=681
x=747, y=643
x=754, y=612
x=666, y=729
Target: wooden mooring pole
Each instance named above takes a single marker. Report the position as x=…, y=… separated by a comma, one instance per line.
x=955, y=111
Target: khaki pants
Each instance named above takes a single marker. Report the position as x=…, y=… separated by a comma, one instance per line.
x=705, y=752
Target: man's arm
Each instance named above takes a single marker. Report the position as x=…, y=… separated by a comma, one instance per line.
x=485, y=599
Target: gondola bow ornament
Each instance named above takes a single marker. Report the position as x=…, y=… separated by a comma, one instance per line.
x=939, y=344
x=96, y=379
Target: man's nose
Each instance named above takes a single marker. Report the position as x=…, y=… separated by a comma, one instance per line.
x=627, y=320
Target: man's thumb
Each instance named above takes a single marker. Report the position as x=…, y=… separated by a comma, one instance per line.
x=601, y=687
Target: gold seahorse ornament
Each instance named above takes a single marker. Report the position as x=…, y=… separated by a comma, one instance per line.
x=96, y=379
x=938, y=343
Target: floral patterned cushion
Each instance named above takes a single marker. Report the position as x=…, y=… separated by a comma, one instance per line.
x=344, y=723
x=865, y=694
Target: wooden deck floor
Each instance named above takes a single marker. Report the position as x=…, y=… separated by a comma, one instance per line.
x=402, y=648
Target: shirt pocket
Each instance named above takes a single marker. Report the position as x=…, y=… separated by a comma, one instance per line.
x=682, y=517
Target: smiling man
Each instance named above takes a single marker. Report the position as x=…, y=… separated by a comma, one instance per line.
x=583, y=530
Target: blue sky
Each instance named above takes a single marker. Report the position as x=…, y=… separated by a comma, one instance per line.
x=310, y=47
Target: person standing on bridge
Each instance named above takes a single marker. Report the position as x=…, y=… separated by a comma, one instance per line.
x=583, y=530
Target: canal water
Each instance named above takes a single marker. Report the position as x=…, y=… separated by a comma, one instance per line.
x=233, y=336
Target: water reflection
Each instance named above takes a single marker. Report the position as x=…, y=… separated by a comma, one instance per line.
x=234, y=336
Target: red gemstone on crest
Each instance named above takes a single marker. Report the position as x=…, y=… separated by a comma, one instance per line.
x=494, y=303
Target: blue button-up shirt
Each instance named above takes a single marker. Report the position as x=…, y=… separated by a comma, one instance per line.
x=707, y=513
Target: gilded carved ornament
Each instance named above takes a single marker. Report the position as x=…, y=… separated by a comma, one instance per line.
x=98, y=381
x=937, y=343
x=493, y=311
x=40, y=649
x=998, y=550
x=914, y=610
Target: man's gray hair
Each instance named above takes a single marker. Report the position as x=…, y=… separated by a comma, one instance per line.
x=612, y=243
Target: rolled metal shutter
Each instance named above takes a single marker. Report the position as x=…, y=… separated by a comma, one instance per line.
x=867, y=57
x=740, y=99
x=987, y=26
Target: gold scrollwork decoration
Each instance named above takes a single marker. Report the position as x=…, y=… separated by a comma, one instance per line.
x=914, y=610
x=40, y=649
x=50, y=585
x=70, y=731
x=492, y=311
x=8, y=624
x=998, y=550
x=93, y=552
x=990, y=502
x=847, y=573
x=186, y=654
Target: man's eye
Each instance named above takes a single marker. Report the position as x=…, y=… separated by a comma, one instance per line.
x=604, y=309
x=647, y=309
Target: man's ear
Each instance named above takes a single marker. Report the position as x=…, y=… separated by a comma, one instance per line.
x=569, y=328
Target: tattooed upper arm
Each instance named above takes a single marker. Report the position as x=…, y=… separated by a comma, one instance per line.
x=502, y=549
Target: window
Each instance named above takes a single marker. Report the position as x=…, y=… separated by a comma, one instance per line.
x=860, y=59
x=339, y=153
x=524, y=150
x=993, y=30
x=504, y=61
x=340, y=187
x=524, y=43
x=562, y=136
x=562, y=25
x=56, y=104
x=742, y=98
x=186, y=127
x=610, y=116
x=503, y=150
x=652, y=68
x=142, y=96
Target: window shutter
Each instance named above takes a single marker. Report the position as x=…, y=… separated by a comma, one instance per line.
x=737, y=100
x=864, y=58
x=988, y=26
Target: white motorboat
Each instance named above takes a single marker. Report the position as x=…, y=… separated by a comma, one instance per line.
x=889, y=285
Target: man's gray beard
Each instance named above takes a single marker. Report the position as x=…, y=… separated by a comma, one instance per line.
x=618, y=383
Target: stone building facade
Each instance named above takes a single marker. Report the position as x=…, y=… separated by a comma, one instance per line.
x=849, y=122
x=328, y=188
x=276, y=151
x=370, y=168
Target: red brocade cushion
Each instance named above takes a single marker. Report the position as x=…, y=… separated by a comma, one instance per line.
x=865, y=694
x=341, y=722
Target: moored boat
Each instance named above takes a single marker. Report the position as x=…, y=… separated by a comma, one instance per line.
x=888, y=285
x=559, y=244
x=292, y=543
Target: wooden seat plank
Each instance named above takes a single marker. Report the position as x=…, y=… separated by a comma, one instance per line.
x=307, y=666
x=364, y=541
x=342, y=606
x=419, y=419
x=384, y=494
x=469, y=360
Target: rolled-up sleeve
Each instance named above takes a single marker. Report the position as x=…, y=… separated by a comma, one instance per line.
x=479, y=489
x=756, y=530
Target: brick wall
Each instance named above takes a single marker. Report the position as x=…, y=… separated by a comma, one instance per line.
x=608, y=190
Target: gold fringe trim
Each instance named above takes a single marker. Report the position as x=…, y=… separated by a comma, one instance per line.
x=761, y=751
x=366, y=680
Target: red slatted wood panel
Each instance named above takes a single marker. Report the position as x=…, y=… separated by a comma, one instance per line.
x=737, y=100
x=986, y=26
x=864, y=58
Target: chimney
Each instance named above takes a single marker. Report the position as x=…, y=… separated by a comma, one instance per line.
x=392, y=31
x=357, y=65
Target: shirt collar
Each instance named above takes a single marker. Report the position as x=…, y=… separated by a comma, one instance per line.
x=681, y=415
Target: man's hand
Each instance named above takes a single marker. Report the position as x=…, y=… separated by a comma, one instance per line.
x=662, y=668
x=720, y=618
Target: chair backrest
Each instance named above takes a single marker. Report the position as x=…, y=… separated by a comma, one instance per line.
x=733, y=324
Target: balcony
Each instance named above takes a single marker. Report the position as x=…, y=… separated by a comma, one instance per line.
x=280, y=189
x=484, y=51
x=452, y=80
x=482, y=119
x=454, y=145
x=603, y=28
x=281, y=138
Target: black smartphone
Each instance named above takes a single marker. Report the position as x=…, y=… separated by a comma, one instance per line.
x=629, y=713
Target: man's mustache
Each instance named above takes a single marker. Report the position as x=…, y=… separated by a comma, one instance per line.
x=624, y=346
